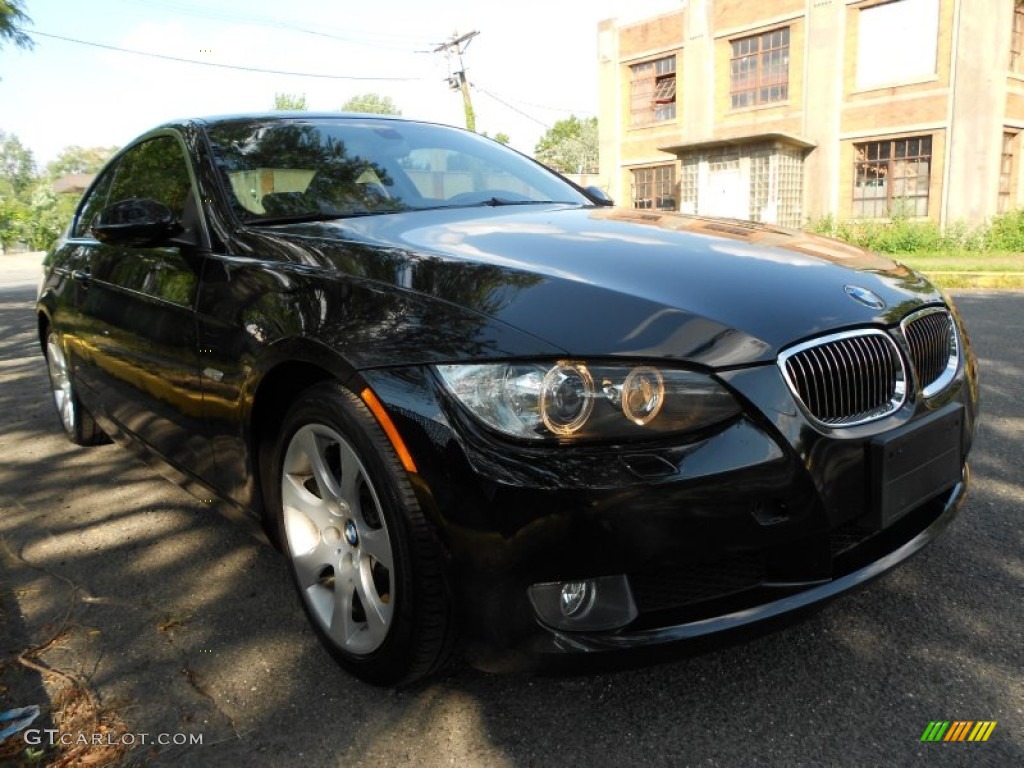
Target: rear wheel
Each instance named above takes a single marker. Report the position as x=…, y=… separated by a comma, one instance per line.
x=78, y=423
x=364, y=560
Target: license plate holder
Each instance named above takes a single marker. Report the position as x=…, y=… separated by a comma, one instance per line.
x=915, y=463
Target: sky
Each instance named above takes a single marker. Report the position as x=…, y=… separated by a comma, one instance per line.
x=533, y=63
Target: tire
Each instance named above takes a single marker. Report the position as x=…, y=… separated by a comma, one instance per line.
x=79, y=425
x=346, y=515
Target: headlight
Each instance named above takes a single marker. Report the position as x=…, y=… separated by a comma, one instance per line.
x=571, y=399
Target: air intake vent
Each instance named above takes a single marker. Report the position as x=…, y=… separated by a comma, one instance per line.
x=847, y=378
x=934, y=348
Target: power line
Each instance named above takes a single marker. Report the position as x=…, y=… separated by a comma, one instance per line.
x=504, y=103
x=572, y=139
x=565, y=110
x=224, y=66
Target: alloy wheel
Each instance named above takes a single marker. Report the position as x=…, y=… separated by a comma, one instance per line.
x=337, y=539
x=60, y=383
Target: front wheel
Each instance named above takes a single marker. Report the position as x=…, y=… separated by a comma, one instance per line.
x=364, y=560
x=78, y=423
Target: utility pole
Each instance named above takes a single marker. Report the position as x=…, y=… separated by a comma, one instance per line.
x=457, y=45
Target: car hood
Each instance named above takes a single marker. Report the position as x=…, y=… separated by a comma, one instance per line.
x=623, y=282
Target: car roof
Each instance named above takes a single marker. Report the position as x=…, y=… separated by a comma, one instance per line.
x=289, y=115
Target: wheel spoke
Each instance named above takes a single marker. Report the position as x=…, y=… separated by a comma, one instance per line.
x=376, y=544
x=309, y=565
x=296, y=499
x=67, y=411
x=378, y=613
x=312, y=445
x=343, y=627
x=351, y=473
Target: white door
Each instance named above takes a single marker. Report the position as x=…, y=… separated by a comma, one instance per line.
x=727, y=194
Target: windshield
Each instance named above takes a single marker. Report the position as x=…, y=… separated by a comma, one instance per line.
x=292, y=169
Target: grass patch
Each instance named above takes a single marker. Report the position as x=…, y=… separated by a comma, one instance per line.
x=989, y=256
x=968, y=270
x=963, y=262
x=1007, y=282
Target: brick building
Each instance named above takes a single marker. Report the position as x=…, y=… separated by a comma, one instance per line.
x=788, y=110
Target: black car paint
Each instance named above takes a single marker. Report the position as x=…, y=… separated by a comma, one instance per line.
x=372, y=301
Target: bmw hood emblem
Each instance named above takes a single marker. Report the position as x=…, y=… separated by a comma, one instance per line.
x=864, y=296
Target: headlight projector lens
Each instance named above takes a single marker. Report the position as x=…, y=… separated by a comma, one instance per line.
x=566, y=398
x=643, y=394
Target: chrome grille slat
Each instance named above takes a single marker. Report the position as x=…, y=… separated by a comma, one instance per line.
x=875, y=373
x=934, y=348
x=847, y=378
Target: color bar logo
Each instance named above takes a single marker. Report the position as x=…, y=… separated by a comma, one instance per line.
x=958, y=730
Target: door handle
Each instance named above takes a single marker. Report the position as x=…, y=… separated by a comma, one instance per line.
x=81, y=275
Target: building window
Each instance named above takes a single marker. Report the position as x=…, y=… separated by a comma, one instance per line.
x=655, y=187
x=653, y=91
x=1006, y=173
x=897, y=43
x=1017, y=38
x=891, y=178
x=760, y=69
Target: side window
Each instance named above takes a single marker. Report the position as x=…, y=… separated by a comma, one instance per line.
x=93, y=204
x=154, y=170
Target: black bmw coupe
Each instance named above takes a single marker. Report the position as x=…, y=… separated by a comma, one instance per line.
x=469, y=399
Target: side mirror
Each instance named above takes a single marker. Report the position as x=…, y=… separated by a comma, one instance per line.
x=599, y=196
x=137, y=223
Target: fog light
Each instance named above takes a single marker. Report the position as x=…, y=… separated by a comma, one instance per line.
x=577, y=597
x=584, y=605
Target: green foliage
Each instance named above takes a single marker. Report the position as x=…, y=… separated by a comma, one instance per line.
x=75, y=159
x=30, y=211
x=51, y=213
x=1005, y=233
x=17, y=166
x=501, y=137
x=14, y=217
x=290, y=102
x=12, y=19
x=570, y=146
x=371, y=103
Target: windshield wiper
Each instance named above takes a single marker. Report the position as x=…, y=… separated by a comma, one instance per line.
x=494, y=202
x=502, y=201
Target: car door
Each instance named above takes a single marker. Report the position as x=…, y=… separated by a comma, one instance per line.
x=72, y=272
x=138, y=328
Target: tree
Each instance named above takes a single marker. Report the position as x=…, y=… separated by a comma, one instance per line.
x=290, y=102
x=51, y=213
x=17, y=167
x=371, y=103
x=75, y=159
x=570, y=146
x=14, y=218
x=501, y=137
x=12, y=19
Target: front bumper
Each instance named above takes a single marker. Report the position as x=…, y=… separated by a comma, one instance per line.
x=555, y=642
x=757, y=522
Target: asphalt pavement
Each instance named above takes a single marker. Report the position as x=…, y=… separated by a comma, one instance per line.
x=180, y=624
